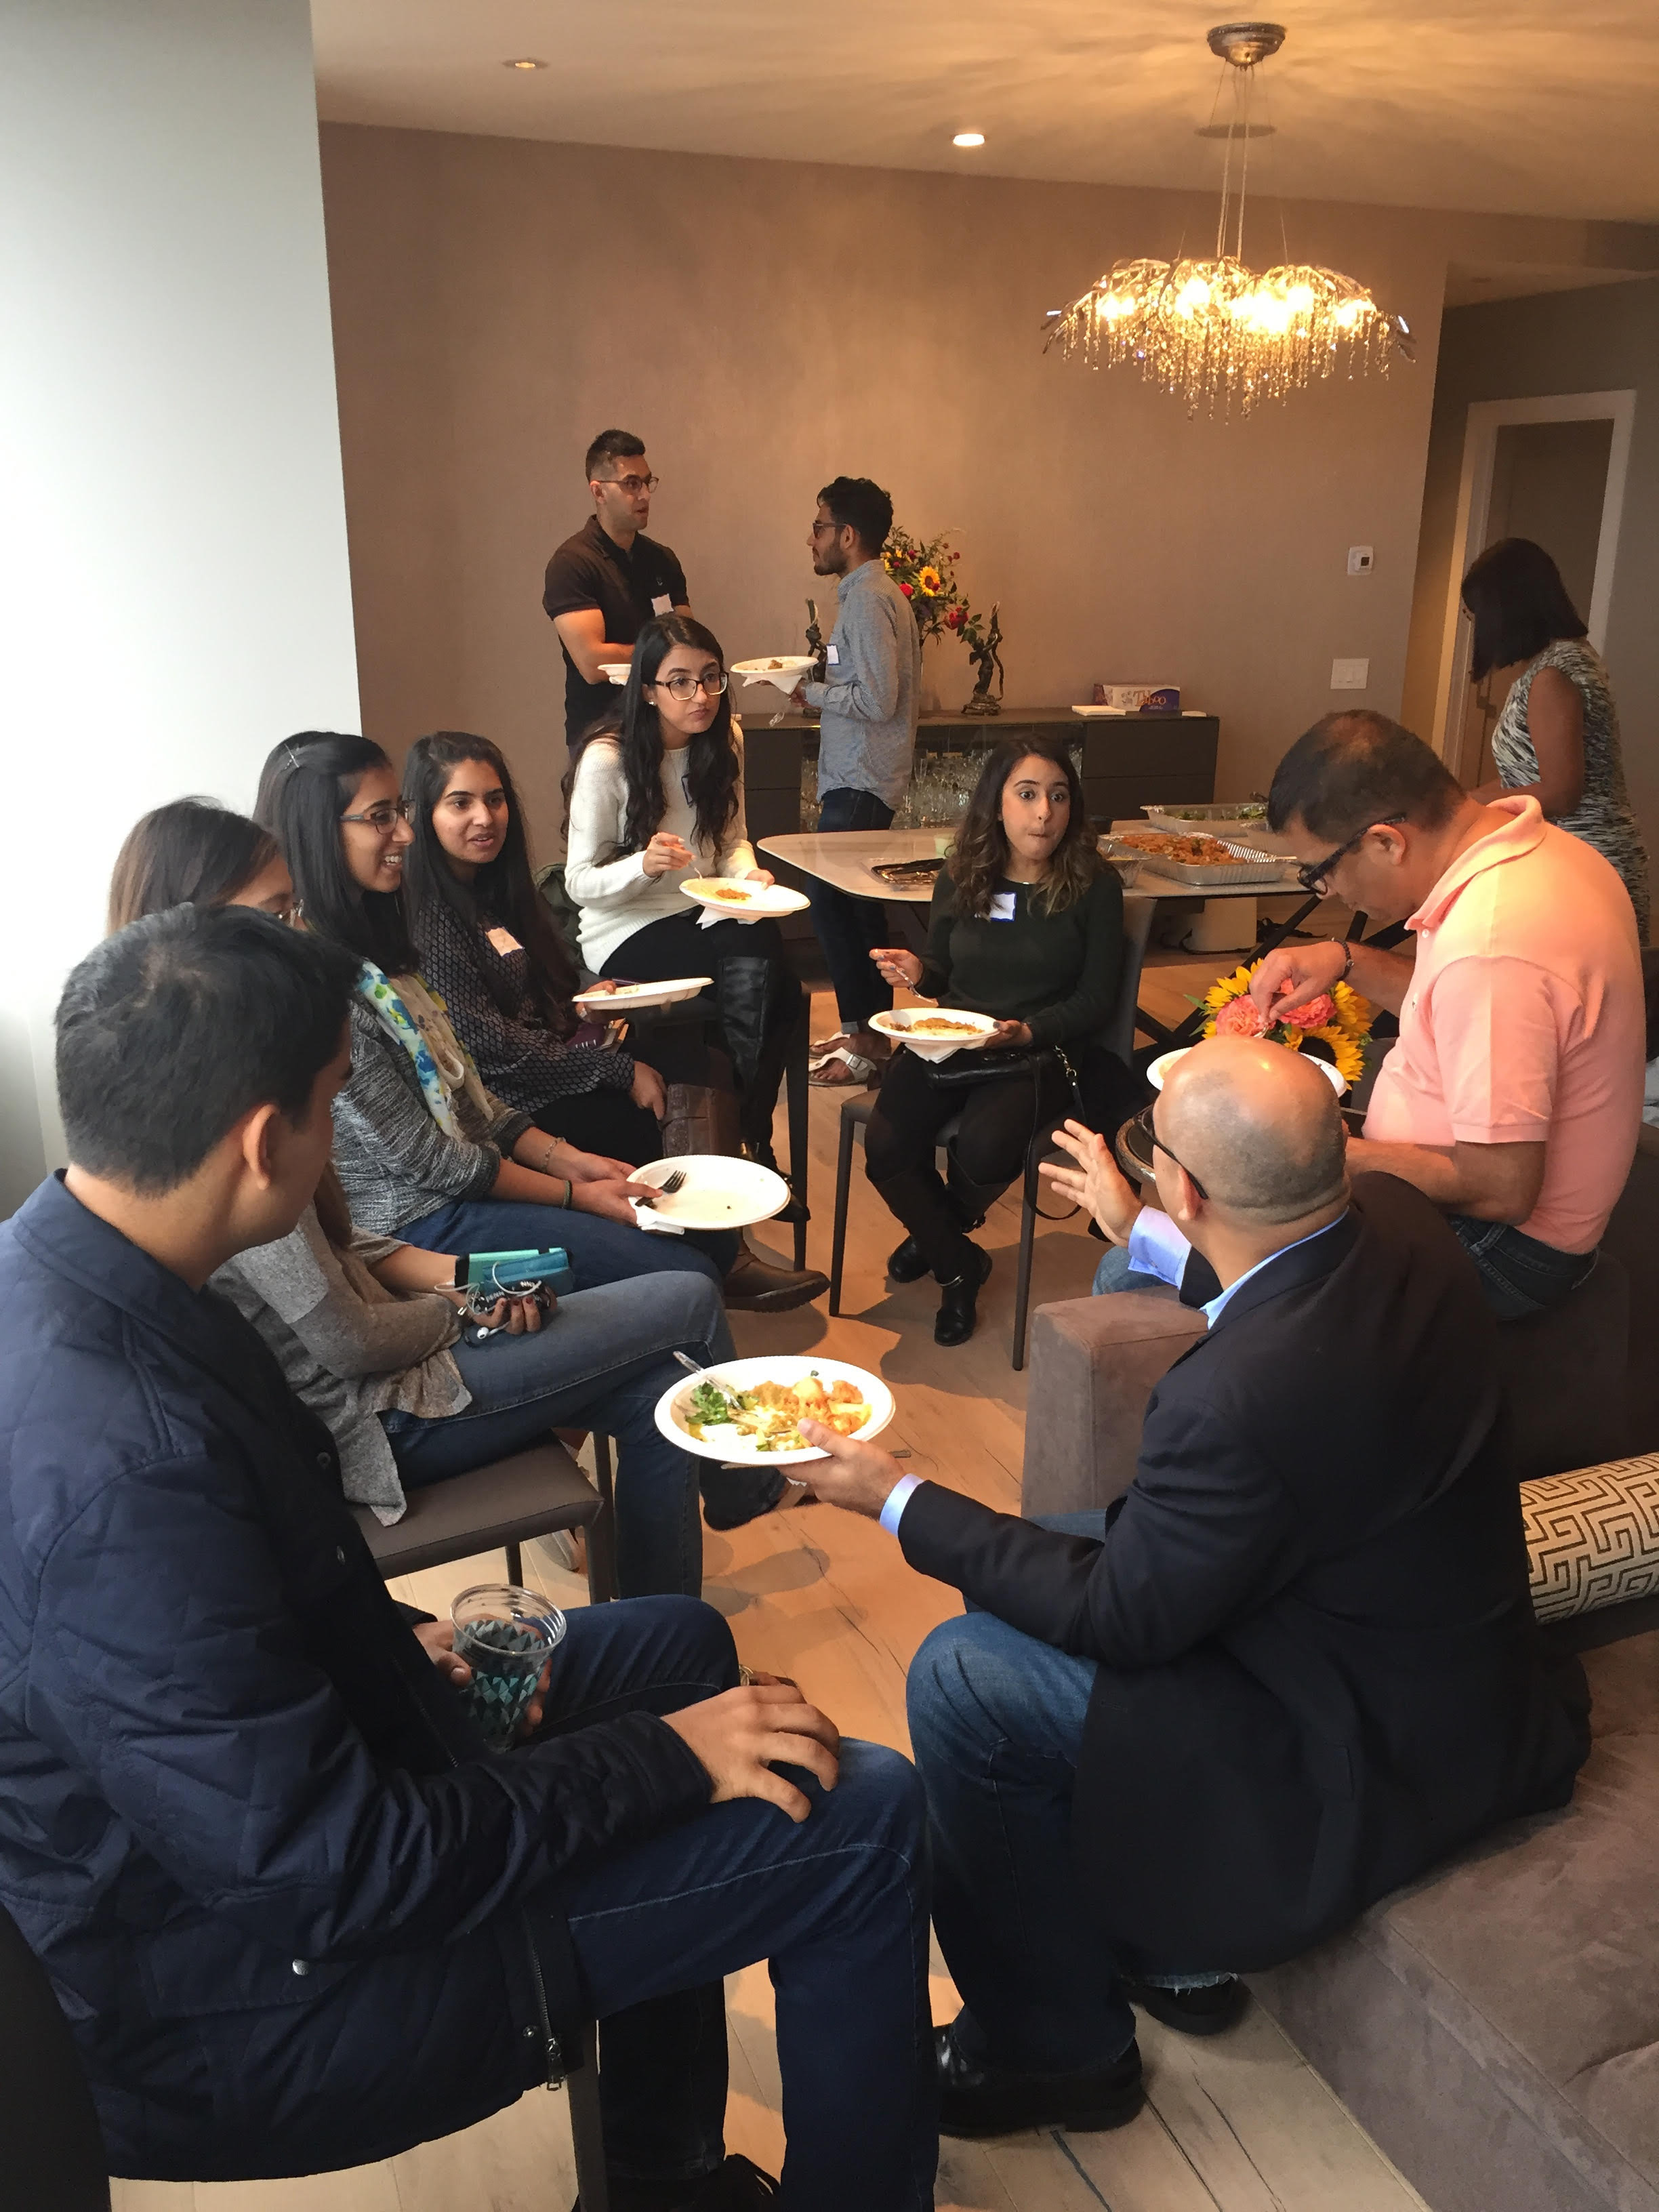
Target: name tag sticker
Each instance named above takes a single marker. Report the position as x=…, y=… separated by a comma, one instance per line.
x=662, y=604
x=834, y=655
x=505, y=942
x=1002, y=906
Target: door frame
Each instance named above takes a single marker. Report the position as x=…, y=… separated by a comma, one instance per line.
x=1485, y=418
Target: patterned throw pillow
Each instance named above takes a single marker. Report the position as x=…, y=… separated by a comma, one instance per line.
x=1593, y=1537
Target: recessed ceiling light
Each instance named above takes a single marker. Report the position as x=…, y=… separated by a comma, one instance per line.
x=969, y=138
x=526, y=62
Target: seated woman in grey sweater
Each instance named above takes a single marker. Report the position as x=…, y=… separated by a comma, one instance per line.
x=370, y=1336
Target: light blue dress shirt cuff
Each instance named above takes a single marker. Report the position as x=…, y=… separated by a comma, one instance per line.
x=1156, y=1247
x=897, y=1499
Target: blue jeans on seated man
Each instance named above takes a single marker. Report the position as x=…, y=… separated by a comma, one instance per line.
x=1519, y=1276
x=838, y=1905
x=601, y=1361
x=1114, y=1274
x=996, y=1724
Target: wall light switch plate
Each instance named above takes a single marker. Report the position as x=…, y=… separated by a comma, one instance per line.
x=1350, y=675
x=1361, y=560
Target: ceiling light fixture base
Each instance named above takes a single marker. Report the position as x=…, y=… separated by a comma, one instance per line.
x=1244, y=45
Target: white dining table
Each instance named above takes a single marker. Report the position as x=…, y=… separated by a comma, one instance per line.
x=844, y=856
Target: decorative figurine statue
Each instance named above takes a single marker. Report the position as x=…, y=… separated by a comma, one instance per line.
x=983, y=652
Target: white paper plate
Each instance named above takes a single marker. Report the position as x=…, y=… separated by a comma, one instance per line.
x=720, y=1191
x=626, y=995
x=1160, y=1067
x=898, y=1025
x=741, y=1374
x=714, y=891
x=792, y=666
x=616, y=671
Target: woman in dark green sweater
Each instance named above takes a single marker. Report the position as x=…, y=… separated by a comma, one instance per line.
x=1027, y=925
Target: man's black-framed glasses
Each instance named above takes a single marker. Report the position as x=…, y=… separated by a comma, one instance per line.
x=1316, y=873
x=1159, y=1143
x=633, y=485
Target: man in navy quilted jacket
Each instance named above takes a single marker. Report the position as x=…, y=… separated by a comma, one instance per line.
x=297, y=1915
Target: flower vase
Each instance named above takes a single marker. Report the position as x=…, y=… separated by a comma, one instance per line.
x=927, y=698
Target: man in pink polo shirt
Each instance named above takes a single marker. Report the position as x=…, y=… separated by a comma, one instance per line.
x=1513, y=1095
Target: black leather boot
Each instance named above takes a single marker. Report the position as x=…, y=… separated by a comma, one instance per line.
x=754, y=1285
x=758, y=1001
x=906, y=1262
x=954, y=1322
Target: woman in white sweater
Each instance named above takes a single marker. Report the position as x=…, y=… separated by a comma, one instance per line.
x=652, y=803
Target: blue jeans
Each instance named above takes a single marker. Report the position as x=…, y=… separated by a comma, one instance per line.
x=600, y=1362
x=838, y=1906
x=600, y=1251
x=1114, y=1274
x=996, y=1724
x=849, y=928
x=1519, y=1274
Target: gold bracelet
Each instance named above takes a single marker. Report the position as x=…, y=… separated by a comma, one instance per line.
x=547, y=1157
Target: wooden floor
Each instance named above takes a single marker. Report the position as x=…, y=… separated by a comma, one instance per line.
x=1234, y=2124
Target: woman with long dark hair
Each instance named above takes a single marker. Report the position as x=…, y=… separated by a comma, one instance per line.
x=425, y=1150
x=1026, y=925
x=1557, y=739
x=653, y=802
x=488, y=946
x=368, y=1330
x=195, y=852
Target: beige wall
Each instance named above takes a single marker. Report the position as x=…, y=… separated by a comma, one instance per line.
x=765, y=325
x=1605, y=339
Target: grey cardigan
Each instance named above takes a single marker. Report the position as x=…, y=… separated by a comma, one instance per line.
x=396, y=1164
x=349, y=1348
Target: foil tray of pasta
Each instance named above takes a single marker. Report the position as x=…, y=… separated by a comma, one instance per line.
x=748, y=1412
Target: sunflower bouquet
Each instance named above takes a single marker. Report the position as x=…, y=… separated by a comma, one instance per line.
x=926, y=572
x=1338, y=1018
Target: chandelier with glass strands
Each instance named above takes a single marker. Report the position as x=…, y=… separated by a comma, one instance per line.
x=1215, y=333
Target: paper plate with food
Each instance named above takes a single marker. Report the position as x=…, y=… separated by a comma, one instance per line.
x=715, y=1191
x=748, y=1412
x=622, y=997
x=783, y=671
x=614, y=671
x=935, y=1032
x=1157, y=1071
x=731, y=895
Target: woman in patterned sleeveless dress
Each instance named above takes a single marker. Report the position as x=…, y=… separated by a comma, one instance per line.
x=1557, y=736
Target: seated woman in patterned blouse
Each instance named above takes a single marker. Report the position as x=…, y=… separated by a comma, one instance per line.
x=488, y=944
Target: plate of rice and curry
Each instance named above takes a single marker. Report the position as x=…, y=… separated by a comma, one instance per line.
x=744, y=902
x=935, y=1032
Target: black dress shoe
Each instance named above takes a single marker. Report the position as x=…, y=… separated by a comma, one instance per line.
x=754, y=1286
x=986, y=2100
x=954, y=1321
x=1210, y=2009
x=905, y=1263
x=736, y=2186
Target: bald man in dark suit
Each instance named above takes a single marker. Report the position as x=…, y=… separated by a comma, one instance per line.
x=1293, y=1667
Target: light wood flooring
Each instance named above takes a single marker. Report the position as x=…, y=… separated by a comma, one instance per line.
x=1235, y=2125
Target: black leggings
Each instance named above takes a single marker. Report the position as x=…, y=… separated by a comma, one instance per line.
x=998, y=1121
x=751, y=1011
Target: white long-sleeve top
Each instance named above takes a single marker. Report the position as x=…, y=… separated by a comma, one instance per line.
x=616, y=897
